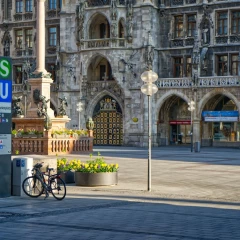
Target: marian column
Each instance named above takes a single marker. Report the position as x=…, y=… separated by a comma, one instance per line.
x=40, y=79
x=40, y=60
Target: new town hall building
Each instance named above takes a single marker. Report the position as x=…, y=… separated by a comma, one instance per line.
x=96, y=51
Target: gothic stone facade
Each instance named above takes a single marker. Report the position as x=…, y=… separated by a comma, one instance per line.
x=96, y=51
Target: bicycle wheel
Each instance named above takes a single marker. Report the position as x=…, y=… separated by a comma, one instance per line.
x=32, y=186
x=58, y=188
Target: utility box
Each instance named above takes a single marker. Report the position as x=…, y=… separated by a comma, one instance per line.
x=21, y=168
x=197, y=146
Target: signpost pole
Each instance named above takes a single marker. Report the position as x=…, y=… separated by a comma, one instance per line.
x=5, y=125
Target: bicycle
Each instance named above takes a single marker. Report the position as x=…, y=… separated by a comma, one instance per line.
x=35, y=185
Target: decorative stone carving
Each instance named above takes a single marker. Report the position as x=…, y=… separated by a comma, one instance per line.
x=63, y=106
x=36, y=96
x=149, y=57
x=90, y=124
x=16, y=108
x=129, y=17
x=42, y=110
x=79, y=19
x=108, y=104
x=205, y=25
x=114, y=12
x=195, y=54
x=114, y=30
x=40, y=75
x=6, y=41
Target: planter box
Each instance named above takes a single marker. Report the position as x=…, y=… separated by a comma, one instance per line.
x=67, y=177
x=96, y=179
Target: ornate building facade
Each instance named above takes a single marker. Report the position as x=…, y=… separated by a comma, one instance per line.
x=96, y=51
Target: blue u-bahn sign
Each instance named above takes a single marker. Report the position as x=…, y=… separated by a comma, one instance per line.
x=5, y=85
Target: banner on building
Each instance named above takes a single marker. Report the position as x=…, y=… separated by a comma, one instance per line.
x=220, y=116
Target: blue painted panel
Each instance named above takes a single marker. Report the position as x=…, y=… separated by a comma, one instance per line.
x=5, y=91
x=220, y=114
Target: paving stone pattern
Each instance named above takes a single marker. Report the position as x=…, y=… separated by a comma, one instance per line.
x=194, y=196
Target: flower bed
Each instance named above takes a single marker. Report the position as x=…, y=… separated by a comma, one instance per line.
x=95, y=172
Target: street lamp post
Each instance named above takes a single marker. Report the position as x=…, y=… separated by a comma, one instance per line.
x=191, y=108
x=79, y=109
x=149, y=88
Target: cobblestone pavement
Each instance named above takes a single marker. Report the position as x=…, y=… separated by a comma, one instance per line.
x=194, y=196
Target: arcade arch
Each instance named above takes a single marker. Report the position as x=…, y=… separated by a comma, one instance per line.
x=174, y=121
x=99, y=27
x=220, y=120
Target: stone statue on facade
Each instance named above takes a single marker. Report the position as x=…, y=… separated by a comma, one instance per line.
x=42, y=109
x=114, y=30
x=149, y=57
x=195, y=78
x=129, y=17
x=114, y=12
x=206, y=32
x=16, y=108
x=90, y=124
x=129, y=9
x=196, y=53
x=79, y=20
x=63, y=106
x=129, y=30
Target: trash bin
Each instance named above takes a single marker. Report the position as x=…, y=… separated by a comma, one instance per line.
x=21, y=168
x=197, y=146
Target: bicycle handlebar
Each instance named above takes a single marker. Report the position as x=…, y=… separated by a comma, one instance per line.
x=38, y=165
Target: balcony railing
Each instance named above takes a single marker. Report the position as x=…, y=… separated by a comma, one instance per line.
x=216, y=81
x=189, y=41
x=16, y=88
x=223, y=81
x=104, y=43
x=51, y=146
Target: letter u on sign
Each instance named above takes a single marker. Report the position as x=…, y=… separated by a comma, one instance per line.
x=5, y=91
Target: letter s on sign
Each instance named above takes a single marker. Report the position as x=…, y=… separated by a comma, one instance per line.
x=4, y=68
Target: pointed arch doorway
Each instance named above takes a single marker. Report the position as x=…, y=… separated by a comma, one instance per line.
x=108, y=121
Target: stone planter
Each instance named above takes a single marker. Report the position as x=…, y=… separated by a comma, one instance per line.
x=67, y=177
x=96, y=179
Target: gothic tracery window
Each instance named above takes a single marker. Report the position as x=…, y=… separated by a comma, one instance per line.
x=6, y=48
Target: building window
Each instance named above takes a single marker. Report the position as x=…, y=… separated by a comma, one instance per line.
x=51, y=69
x=234, y=64
x=103, y=75
x=236, y=22
x=189, y=67
x=120, y=30
x=28, y=6
x=52, y=36
x=102, y=30
x=222, y=65
x=178, y=67
x=18, y=74
x=222, y=20
x=52, y=4
x=19, y=39
x=179, y=26
x=19, y=6
x=191, y=25
x=28, y=38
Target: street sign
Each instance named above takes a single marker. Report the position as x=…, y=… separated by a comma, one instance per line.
x=5, y=125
